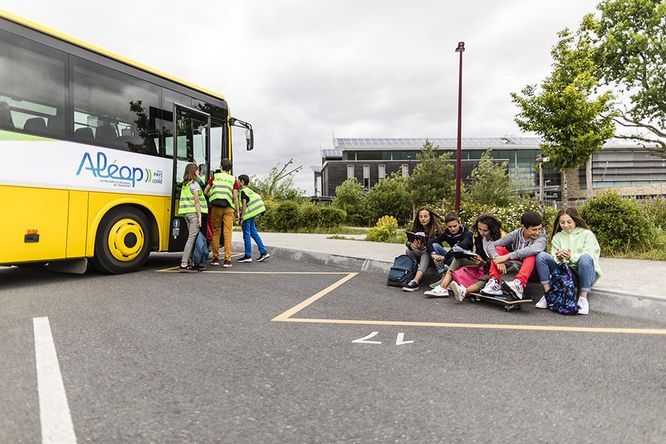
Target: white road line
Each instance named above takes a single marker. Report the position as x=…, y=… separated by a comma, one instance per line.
x=57, y=427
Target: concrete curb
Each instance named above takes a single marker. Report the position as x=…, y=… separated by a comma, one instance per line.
x=602, y=300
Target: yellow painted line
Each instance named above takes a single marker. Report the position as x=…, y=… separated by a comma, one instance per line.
x=175, y=270
x=292, y=311
x=635, y=331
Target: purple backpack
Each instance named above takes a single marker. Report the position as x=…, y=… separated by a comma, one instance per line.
x=562, y=296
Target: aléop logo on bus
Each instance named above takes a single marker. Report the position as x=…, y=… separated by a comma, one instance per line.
x=116, y=174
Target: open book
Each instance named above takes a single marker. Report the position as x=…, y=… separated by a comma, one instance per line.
x=460, y=253
x=419, y=236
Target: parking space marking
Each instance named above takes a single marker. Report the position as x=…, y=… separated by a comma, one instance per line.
x=287, y=317
x=54, y=415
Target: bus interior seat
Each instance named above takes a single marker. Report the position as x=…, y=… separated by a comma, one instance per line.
x=55, y=125
x=6, y=120
x=150, y=147
x=35, y=125
x=106, y=135
x=84, y=135
x=126, y=142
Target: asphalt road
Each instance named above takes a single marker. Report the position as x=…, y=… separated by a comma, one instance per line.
x=158, y=356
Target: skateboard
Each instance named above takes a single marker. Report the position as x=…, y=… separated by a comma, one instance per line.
x=507, y=302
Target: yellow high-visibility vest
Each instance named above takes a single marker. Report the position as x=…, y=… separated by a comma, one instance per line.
x=255, y=204
x=186, y=204
x=222, y=188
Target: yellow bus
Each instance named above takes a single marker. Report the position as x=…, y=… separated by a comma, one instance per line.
x=92, y=149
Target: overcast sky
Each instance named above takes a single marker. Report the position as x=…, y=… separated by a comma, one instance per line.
x=300, y=70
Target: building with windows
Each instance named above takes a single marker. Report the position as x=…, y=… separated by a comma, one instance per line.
x=630, y=168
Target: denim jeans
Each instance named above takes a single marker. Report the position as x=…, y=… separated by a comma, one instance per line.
x=440, y=266
x=250, y=232
x=584, y=268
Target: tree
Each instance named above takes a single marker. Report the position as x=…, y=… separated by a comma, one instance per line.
x=629, y=42
x=490, y=183
x=278, y=183
x=433, y=180
x=349, y=198
x=389, y=197
x=572, y=119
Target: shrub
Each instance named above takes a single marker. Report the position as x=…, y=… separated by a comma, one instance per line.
x=286, y=216
x=386, y=230
x=618, y=223
x=349, y=198
x=388, y=197
x=655, y=211
x=309, y=216
x=331, y=217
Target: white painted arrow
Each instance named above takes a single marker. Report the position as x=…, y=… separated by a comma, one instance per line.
x=364, y=340
x=400, y=340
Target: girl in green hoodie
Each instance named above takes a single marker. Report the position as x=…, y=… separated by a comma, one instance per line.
x=574, y=244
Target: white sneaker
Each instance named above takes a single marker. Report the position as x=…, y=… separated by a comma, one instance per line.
x=514, y=288
x=583, y=306
x=543, y=303
x=437, y=292
x=492, y=288
x=459, y=292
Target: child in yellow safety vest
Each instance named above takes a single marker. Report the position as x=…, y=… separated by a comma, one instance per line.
x=222, y=192
x=192, y=206
x=252, y=206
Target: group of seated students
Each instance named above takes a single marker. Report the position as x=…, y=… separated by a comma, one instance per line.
x=499, y=254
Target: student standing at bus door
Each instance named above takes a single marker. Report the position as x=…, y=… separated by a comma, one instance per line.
x=192, y=205
x=252, y=207
x=222, y=190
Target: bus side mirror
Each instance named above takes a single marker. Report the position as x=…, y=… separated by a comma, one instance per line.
x=249, y=132
x=249, y=139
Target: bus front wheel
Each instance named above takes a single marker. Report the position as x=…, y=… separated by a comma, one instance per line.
x=122, y=244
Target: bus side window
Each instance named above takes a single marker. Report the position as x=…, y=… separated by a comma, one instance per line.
x=33, y=81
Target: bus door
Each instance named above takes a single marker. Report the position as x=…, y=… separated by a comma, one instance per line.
x=192, y=144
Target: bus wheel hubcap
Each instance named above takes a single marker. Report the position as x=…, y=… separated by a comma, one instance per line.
x=126, y=240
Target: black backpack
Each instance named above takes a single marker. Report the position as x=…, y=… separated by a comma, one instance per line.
x=402, y=271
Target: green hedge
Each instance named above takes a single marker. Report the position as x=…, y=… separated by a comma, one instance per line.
x=290, y=216
x=619, y=224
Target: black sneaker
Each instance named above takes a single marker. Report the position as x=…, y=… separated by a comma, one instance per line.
x=245, y=259
x=263, y=257
x=412, y=286
x=186, y=269
x=199, y=267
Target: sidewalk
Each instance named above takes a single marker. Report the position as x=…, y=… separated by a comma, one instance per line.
x=629, y=286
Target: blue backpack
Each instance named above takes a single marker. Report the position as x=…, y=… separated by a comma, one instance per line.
x=200, y=251
x=562, y=297
x=402, y=271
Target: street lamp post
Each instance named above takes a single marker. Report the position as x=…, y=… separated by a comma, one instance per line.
x=541, y=160
x=460, y=49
